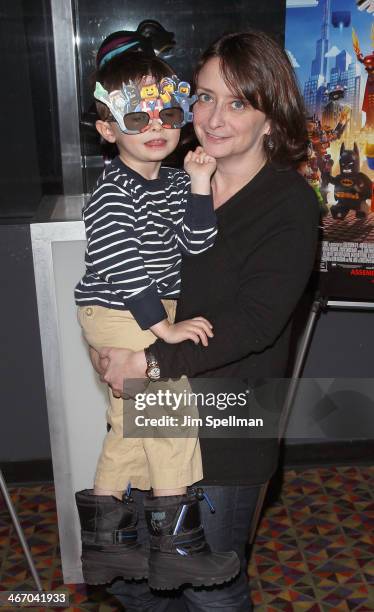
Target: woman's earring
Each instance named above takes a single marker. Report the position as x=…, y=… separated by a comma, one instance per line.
x=269, y=142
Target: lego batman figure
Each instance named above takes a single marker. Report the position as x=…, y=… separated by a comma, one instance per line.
x=352, y=187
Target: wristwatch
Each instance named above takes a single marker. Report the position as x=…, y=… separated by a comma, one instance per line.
x=153, y=368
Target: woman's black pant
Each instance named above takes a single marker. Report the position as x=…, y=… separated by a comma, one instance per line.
x=227, y=529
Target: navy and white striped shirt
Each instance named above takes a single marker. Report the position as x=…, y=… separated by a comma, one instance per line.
x=137, y=231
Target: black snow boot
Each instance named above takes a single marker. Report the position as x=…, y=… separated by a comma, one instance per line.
x=179, y=552
x=109, y=538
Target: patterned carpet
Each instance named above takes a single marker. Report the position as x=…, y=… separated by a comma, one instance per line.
x=314, y=549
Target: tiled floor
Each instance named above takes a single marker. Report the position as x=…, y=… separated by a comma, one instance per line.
x=314, y=550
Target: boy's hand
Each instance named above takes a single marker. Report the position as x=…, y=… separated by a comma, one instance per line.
x=200, y=166
x=197, y=329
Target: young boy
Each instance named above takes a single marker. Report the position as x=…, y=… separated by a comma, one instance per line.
x=139, y=221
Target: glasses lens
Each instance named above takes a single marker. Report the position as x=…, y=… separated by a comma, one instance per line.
x=172, y=117
x=136, y=121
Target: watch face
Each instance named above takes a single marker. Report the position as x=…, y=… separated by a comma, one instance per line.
x=154, y=372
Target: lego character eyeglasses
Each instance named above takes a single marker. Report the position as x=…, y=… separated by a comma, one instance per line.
x=136, y=123
x=133, y=106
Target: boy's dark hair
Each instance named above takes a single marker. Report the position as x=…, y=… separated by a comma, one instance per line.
x=125, y=67
x=255, y=67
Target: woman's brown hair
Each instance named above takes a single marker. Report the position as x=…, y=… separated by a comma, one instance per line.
x=255, y=67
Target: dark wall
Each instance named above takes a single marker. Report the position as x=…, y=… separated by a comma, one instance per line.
x=24, y=426
x=37, y=23
x=30, y=162
x=342, y=346
x=20, y=191
x=335, y=399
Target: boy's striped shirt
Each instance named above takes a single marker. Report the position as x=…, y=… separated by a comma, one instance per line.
x=137, y=231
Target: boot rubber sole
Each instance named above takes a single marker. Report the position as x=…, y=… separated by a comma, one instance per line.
x=164, y=576
x=104, y=566
x=95, y=573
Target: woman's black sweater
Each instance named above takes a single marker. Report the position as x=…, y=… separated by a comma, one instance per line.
x=247, y=285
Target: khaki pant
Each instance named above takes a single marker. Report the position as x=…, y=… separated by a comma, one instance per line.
x=162, y=463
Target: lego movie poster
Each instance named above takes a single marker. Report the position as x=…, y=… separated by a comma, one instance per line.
x=330, y=44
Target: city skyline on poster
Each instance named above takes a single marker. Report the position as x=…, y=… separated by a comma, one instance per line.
x=330, y=44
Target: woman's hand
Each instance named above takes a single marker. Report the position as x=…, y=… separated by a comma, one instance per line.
x=200, y=166
x=99, y=365
x=121, y=364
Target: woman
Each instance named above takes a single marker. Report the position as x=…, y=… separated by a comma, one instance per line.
x=248, y=116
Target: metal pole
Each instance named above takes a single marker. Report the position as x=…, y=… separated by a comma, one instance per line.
x=257, y=513
x=318, y=304
x=345, y=305
x=68, y=108
x=21, y=535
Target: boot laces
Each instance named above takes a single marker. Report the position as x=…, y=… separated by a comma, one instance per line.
x=202, y=495
x=127, y=495
x=192, y=546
